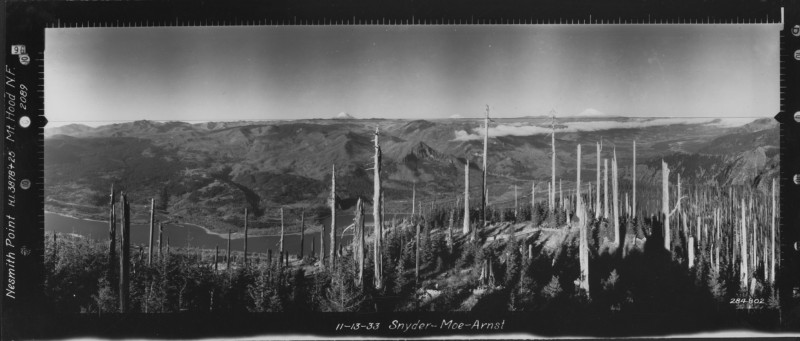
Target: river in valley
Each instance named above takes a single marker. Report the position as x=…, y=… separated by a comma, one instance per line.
x=188, y=235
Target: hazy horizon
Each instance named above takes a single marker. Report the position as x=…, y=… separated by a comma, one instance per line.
x=515, y=126
x=95, y=124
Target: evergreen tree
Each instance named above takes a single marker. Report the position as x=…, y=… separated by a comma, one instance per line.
x=300, y=295
x=322, y=281
x=263, y=293
x=513, y=263
x=343, y=295
x=105, y=299
x=561, y=218
x=426, y=248
x=401, y=279
x=552, y=289
x=716, y=286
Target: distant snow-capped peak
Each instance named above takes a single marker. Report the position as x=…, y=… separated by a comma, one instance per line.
x=344, y=116
x=592, y=113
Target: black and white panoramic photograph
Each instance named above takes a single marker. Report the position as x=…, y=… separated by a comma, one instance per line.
x=595, y=169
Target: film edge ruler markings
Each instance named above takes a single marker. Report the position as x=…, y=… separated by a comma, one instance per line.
x=355, y=21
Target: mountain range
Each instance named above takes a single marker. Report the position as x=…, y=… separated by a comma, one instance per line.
x=211, y=170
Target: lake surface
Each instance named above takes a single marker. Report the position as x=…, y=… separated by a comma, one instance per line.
x=183, y=235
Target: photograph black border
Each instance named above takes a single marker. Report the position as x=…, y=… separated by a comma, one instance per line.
x=26, y=21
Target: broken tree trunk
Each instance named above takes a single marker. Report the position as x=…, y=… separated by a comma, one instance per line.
x=414, y=199
x=332, y=202
x=322, y=245
x=125, y=249
x=515, y=203
x=698, y=234
x=416, y=257
x=626, y=209
x=55, y=247
x=450, y=230
x=678, y=204
x=533, y=198
x=691, y=252
x=160, y=236
x=216, y=258
x=228, y=255
x=152, y=232
x=302, y=233
x=376, y=215
x=583, y=251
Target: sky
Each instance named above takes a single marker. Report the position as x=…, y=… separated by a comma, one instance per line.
x=98, y=76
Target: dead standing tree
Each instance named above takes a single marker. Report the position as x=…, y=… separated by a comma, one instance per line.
x=465, y=229
x=533, y=198
x=665, y=205
x=302, y=232
x=216, y=258
x=744, y=274
x=376, y=215
x=615, y=203
x=125, y=250
x=244, y=264
x=160, y=237
x=515, y=203
x=583, y=221
x=413, y=201
x=605, y=189
x=280, y=246
x=359, y=239
x=552, y=197
x=228, y=255
x=152, y=231
x=332, y=202
x=597, y=204
x=449, y=239
x=632, y=212
x=416, y=257
x=484, y=188
x=772, y=238
x=112, y=245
